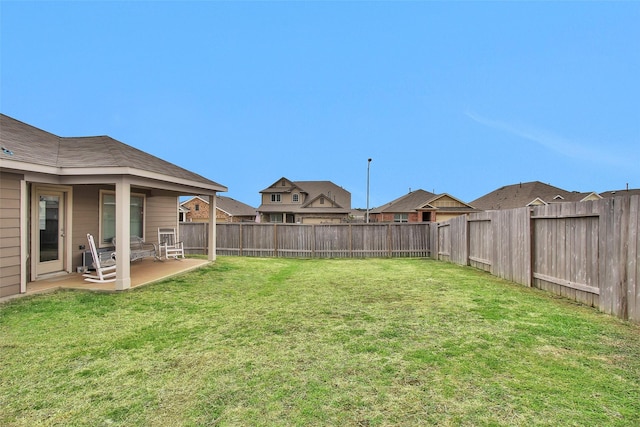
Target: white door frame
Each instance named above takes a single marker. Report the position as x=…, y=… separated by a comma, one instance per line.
x=64, y=265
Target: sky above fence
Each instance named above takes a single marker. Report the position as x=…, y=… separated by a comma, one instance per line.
x=449, y=97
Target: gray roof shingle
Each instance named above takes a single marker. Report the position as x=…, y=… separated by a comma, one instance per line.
x=521, y=194
x=31, y=145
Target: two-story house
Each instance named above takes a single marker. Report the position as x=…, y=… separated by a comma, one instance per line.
x=304, y=202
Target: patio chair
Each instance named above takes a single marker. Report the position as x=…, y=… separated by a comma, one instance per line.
x=167, y=241
x=105, y=267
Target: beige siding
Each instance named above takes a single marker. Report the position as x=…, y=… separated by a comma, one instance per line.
x=448, y=202
x=162, y=211
x=445, y=217
x=86, y=218
x=591, y=197
x=9, y=234
x=317, y=203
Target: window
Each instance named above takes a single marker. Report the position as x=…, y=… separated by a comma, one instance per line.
x=275, y=198
x=275, y=217
x=401, y=217
x=295, y=198
x=197, y=207
x=322, y=200
x=108, y=216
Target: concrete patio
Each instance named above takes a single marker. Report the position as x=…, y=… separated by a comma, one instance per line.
x=143, y=272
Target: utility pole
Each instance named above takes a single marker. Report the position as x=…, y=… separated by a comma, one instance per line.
x=368, y=166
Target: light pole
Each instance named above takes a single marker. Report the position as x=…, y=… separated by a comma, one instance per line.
x=368, y=165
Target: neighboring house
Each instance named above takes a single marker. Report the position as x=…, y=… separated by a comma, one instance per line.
x=358, y=215
x=420, y=206
x=227, y=210
x=304, y=202
x=54, y=190
x=529, y=194
x=182, y=213
x=620, y=193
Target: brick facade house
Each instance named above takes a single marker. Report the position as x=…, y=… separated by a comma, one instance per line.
x=196, y=209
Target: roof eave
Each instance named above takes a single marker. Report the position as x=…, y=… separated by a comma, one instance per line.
x=67, y=175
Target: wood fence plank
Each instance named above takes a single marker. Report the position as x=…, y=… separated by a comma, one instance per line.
x=571, y=249
x=633, y=266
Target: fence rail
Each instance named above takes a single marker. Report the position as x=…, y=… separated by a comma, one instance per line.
x=585, y=251
x=311, y=241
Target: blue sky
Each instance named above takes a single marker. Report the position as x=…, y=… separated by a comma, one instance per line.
x=451, y=97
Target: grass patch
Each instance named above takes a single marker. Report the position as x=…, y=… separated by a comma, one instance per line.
x=378, y=342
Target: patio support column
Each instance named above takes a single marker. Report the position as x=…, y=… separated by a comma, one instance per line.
x=24, y=234
x=123, y=233
x=212, y=227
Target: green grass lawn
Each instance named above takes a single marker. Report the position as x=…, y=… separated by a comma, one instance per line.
x=375, y=342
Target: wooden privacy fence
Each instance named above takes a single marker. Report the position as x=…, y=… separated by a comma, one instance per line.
x=586, y=251
x=310, y=241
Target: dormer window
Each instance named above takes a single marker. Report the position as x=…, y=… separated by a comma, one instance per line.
x=295, y=198
x=322, y=200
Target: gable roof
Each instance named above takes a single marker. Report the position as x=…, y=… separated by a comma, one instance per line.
x=340, y=199
x=316, y=189
x=29, y=149
x=527, y=194
x=409, y=202
x=277, y=186
x=420, y=200
x=226, y=204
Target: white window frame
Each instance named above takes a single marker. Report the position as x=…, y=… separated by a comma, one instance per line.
x=276, y=218
x=401, y=217
x=102, y=242
x=295, y=198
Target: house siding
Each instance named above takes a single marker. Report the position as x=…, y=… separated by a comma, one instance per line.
x=162, y=212
x=86, y=218
x=442, y=217
x=9, y=234
x=319, y=220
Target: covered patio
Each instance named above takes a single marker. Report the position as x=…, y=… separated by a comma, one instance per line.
x=56, y=191
x=143, y=272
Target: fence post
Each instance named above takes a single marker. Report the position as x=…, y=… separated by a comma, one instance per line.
x=532, y=246
x=275, y=240
x=468, y=240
